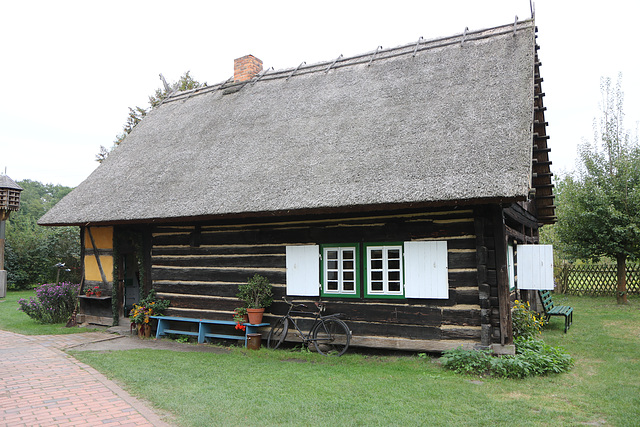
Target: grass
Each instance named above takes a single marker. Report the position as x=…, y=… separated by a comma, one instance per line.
x=13, y=320
x=297, y=388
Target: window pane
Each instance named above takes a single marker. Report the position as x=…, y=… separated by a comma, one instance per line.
x=332, y=254
x=347, y=265
x=332, y=275
x=376, y=275
x=332, y=265
x=376, y=264
x=376, y=286
x=348, y=286
x=332, y=286
x=394, y=286
x=394, y=275
x=393, y=253
x=348, y=254
x=376, y=254
x=347, y=275
x=394, y=264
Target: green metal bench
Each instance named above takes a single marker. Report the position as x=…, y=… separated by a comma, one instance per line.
x=556, y=310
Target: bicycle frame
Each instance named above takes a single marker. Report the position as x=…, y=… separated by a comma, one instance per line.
x=318, y=319
x=328, y=334
x=317, y=316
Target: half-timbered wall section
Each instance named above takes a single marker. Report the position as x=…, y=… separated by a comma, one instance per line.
x=98, y=257
x=199, y=268
x=98, y=262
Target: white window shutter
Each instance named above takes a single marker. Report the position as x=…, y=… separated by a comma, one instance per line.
x=426, y=270
x=303, y=270
x=535, y=267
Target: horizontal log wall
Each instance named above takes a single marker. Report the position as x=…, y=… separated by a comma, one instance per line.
x=200, y=267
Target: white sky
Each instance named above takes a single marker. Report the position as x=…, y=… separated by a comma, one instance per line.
x=70, y=69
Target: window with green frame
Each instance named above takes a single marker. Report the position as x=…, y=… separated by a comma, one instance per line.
x=412, y=269
x=340, y=270
x=384, y=275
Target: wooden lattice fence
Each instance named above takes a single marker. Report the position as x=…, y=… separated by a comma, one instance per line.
x=595, y=279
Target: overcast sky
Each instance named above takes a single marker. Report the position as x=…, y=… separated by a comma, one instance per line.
x=70, y=69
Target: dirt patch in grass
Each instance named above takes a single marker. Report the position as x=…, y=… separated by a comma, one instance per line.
x=622, y=329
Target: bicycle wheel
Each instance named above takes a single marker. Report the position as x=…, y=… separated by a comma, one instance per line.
x=278, y=332
x=331, y=336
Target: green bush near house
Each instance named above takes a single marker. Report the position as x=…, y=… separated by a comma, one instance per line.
x=532, y=358
x=526, y=323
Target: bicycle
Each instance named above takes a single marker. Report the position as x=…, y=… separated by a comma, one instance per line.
x=328, y=334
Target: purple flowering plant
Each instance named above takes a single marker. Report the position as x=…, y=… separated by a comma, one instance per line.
x=54, y=302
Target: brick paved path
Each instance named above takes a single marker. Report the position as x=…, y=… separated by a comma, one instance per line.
x=40, y=385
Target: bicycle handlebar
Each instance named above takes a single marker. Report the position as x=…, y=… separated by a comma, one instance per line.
x=319, y=305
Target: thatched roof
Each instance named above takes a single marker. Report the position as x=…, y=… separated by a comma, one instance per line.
x=6, y=182
x=446, y=120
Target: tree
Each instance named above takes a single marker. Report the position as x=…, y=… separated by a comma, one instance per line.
x=599, y=207
x=31, y=250
x=136, y=114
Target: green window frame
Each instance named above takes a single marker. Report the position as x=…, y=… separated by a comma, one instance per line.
x=340, y=270
x=384, y=270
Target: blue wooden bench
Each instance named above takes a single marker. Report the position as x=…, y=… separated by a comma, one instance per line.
x=556, y=310
x=166, y=325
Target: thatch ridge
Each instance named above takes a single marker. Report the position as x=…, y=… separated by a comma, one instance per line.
x=453, y=122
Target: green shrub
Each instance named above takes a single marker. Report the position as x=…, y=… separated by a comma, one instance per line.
x=532, y=358
x=544, y=359
x=467, y=361
x=256, y=293
x=526, y=323
x=54, y=302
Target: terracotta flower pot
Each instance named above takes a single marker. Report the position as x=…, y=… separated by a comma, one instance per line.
x=144, y=330
x=98, y=294
x=255, y=315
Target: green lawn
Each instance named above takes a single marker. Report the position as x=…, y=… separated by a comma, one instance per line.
x=11, y=319
x=296, y=388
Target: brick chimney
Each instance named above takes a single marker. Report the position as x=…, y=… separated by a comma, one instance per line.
x=246, y=68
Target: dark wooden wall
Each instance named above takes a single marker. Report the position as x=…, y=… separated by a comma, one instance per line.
x=199, y=268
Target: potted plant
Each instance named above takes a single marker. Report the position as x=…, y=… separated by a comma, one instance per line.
x=88, y=292
x=257, y=295
x=97, y=292
x=240, y=315
x=149, y=306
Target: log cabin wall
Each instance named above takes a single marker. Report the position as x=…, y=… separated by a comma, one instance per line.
x=522, y=227
x=199, y=268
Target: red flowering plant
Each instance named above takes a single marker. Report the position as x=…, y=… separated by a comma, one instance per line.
x=240, y=317
x=92, y=291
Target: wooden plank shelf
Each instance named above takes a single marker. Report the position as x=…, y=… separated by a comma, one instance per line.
x=103, y=298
